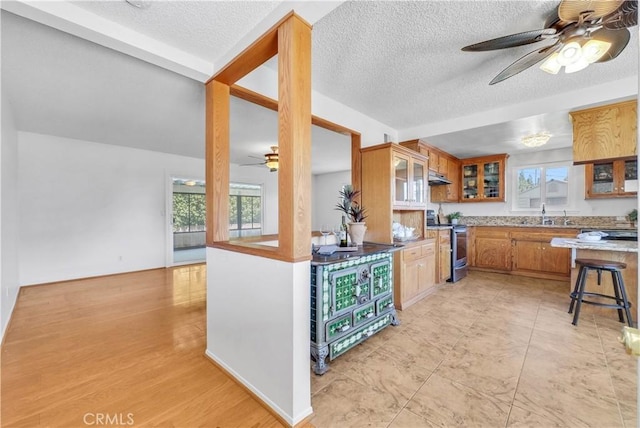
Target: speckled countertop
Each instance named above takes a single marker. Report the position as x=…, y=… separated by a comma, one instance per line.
x=621, y=246
x=574, y=222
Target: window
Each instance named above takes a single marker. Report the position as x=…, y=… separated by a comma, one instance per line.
x=188, y=212
x=537, y=185
x=245, y=210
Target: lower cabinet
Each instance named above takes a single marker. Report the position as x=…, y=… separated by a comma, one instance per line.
x=350, y=301
x=444, y=255
x=492, y=249
x=415, y=269
x=522, y=251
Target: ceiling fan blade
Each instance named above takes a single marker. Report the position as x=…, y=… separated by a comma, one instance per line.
x=618, y=39
x=252, y=164
x=511, y=40
x=626, y=16
x=525, y=62
x=570, y=10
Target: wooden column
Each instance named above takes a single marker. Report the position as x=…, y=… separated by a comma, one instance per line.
x=294, y=137
x=217, y=161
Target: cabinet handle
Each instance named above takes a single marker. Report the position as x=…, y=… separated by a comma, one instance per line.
x=389, y=305
x=369, y=315
x=345, y=327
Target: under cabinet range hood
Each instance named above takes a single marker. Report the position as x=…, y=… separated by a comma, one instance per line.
x=436, y=179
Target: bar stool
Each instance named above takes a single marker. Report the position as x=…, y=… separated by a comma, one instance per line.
x=578, y=294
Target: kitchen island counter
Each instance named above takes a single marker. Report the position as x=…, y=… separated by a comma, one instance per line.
x=602, y=245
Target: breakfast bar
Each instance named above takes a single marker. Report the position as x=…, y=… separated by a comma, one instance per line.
x=619, y=251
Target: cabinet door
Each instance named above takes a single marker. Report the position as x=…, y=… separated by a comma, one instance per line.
x=471, y=181
x=418, y=183
x=411, y=280
x=453, y=189
x=612, y=179
x=401, y=179
x=443, y=165
x=527, y=256
x=444, y=262
x=493, y=253
x=628, y=177
x=434, y=161
x=555, y=260
x=491, y=173
x=428, y=267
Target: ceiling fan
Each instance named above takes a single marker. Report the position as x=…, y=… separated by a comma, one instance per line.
x=582, y=32
x=270, y=160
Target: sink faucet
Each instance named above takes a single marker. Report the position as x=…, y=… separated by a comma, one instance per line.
x=544, y=216
x=566, y=220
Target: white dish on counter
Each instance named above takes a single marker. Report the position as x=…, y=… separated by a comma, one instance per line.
x=591, y=241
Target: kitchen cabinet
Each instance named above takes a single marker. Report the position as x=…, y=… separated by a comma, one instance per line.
x=444, y=255
x=394, y=182
x=613, y=179
x=351, y=300
x=443, y=163
x=448, y=192
x=415, y=273
x=605, y=132
x=483, y=179
x=492, y=249
x=533, y=254
x=409, y=178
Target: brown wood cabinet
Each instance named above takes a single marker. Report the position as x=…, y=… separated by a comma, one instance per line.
x=492, y=249
x=611, y=179
x=522, y=251
x=415, y=273
x=394, y=181
x=444, y=256
x=605, y=132
x=533, y=254
x=442, y=163
x=483, y=179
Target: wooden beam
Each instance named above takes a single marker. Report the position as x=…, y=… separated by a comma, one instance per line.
x=294, y=137
x=217, y=161
x=356, y=163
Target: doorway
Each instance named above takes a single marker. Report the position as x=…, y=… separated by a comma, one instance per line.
x=187, y=221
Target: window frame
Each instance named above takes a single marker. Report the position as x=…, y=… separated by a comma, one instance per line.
x=261, y=190
x=571, y=184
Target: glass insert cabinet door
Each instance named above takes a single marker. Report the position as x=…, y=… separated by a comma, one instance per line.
x=491, y=180
x=630, y=176
x=471, y=181
x=418, y=182
x=401, y=171
x=603, y=178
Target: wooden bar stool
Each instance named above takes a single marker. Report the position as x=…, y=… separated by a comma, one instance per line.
x=578, y=294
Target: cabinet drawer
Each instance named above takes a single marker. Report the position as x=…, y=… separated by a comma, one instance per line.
x=484, y=232
x=384, y=304
x=411, y=254
x=364, y=313
x=342, y=345
x=336, y=327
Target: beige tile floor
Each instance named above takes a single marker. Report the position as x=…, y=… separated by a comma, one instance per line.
x=489, y=351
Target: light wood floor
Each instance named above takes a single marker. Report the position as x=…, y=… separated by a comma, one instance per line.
x=130, y=347
x=489, y=351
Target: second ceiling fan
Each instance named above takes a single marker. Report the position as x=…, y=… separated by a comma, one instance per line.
x=580, y=32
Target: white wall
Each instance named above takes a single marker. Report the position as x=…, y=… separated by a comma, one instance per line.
x=258, y=327
x=581, y=206
x=8, y=216
x=90, y=209
x=325, y=188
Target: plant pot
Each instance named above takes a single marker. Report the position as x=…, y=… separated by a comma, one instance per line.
x=454, y=221
x=356, y=232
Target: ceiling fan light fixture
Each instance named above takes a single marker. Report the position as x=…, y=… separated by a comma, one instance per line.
x=536, y=140
x=570, y=53
x=581, y=64
x=271, y=159
x=551, y=65
x=594, y=49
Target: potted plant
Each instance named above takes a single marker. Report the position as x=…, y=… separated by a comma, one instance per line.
x=633, y=216
x=454, y=217
x=354, y=212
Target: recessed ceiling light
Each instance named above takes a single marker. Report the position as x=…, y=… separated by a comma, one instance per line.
x=140, y=4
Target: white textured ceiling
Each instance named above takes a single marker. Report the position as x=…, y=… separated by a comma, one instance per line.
x=397, y=62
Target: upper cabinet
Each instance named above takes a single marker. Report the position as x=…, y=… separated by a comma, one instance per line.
x=442, y=163
x=606, y=132
x=394, y=187
x=613, y=179
x=483, y=179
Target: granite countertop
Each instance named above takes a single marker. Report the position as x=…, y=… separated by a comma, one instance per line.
x=364, y=250
x=621, y=246
x=557, y=226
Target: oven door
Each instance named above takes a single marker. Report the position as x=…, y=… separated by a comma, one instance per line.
x=459, y=243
